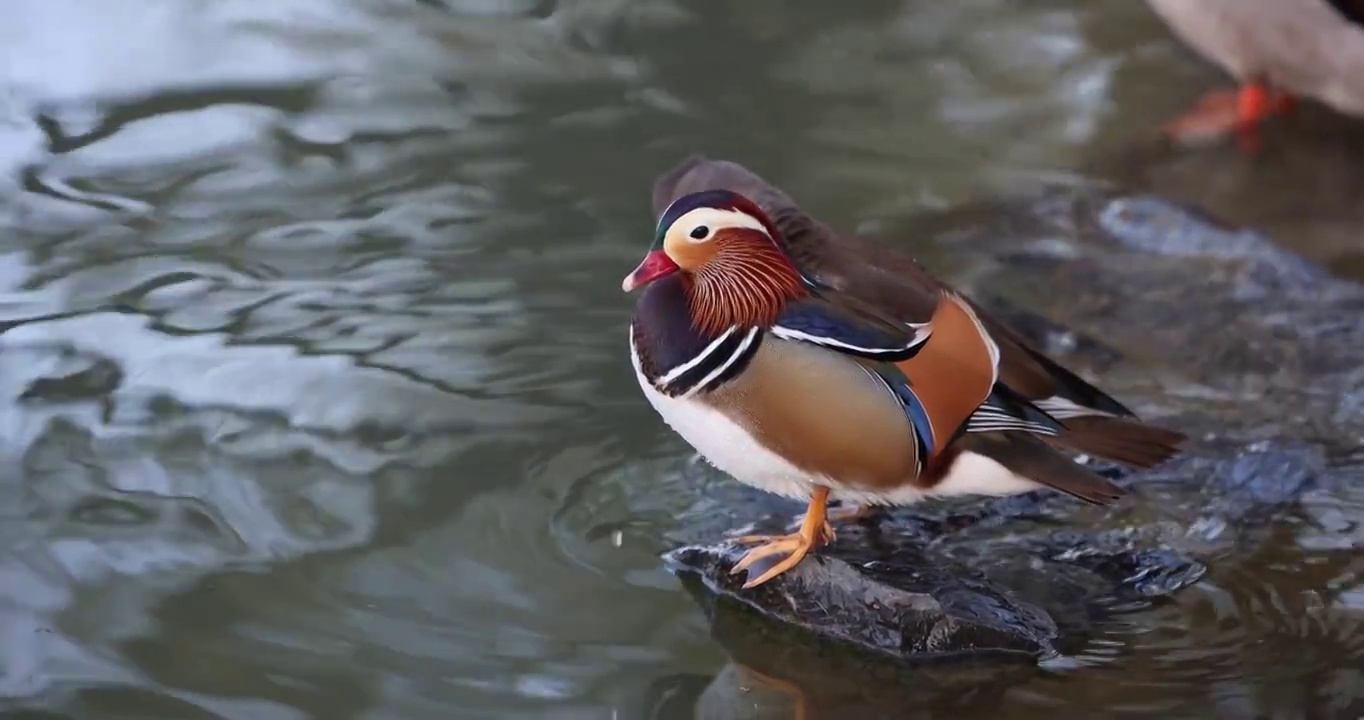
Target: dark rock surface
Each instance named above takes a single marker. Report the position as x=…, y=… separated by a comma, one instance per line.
x=1256, y=352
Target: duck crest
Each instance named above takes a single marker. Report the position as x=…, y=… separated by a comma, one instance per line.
x=675, y=355
x=719, y=199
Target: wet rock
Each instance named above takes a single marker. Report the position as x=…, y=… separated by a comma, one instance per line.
x=913, y=585
x=895, y=602
x=1264, y=476
x=1153, y=225
x=1256, y=352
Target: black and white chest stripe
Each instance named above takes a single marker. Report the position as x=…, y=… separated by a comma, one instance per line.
x=719, y=361
x=673, y=356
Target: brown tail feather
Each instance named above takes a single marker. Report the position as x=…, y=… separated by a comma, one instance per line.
x=1026, y=455
x=1125, y=440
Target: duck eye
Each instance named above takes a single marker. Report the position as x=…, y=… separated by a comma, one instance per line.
x=700, y=232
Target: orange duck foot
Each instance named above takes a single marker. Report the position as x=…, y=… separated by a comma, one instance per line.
x=815, y=531
x=1223, y=111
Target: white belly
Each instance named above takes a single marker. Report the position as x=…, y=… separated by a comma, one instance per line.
x=730, y=448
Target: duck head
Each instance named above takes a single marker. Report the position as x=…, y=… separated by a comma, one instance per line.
x=730, y=257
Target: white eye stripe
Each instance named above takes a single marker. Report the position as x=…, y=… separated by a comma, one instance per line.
x=714, y=219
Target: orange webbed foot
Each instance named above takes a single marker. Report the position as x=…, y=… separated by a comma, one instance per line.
x=815, y=531
x=794, y=546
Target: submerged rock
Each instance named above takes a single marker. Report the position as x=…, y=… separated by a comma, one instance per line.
x=1254, y=351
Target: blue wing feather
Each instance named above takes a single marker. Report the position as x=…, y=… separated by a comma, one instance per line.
x=817, y=321
x=1003, y=411
x=896, y=382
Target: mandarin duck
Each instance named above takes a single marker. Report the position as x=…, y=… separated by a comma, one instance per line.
x=823, y=367
x=1278, y=50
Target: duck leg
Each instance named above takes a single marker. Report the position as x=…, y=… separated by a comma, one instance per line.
x=814, y=531
x=844, y=514
x=1223, y=111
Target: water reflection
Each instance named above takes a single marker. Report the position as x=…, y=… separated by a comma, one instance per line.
x=312, y=388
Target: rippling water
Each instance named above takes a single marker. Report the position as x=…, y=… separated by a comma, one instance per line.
x=313, y=393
